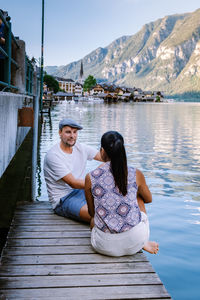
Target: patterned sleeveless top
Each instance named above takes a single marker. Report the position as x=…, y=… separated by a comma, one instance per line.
x=114, y=212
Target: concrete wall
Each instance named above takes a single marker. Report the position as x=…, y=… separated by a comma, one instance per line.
x=11, y=136
x=18, y=76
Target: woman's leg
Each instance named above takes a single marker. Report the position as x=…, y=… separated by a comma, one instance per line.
x=150, y=246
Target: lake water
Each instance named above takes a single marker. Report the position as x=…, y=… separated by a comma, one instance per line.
x=163, y=141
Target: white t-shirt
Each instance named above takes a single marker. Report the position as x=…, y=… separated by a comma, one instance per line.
x=58, y=164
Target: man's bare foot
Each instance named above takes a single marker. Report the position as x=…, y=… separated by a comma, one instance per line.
x=151, y=247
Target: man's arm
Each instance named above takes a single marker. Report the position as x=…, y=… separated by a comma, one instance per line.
x=88, y=196
x=58, y=171
x=98, y=157
x=73, y=182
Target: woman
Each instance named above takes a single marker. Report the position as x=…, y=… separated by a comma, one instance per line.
x=115, y=195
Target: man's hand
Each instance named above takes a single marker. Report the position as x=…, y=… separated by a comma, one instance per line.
x=73, y=182
x=98, y=157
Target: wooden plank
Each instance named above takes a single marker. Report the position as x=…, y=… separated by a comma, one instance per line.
x=35, y=209
x=52, y=228
x=23, y=204
x=90, y=293
x=69, y=259
x=39, y=217
x=48, y=250
x=37, y=213
x=43, y=222
x=50, y=235
x=29, y=211
x=25, y=282
x=34, y=205
x=75, y=269
x=11, y=242
x=53, y=219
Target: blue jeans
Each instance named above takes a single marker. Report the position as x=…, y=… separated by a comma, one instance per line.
x=70, y=205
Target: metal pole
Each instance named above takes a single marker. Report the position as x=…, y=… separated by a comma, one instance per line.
x=42, y=60
x=35, y=144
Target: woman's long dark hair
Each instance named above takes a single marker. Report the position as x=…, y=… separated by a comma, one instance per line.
x=113, y=144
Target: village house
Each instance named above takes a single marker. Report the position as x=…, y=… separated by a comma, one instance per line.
x=78, y=91
x=147, y=93
x=126, y=97
x=119, y=91
x=137, y=91
x=67, y=85
x=108, y=88
x=70, y=87
x=111, y=97
x=97, y=89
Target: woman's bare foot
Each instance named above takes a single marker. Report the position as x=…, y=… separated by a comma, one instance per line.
x=151, y=247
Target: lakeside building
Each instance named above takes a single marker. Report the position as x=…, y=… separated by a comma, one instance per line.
x=70, y=86
x=97, y=89
x=67, y=85
x=78, y=89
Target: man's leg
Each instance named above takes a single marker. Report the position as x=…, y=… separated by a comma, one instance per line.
x=74, y=206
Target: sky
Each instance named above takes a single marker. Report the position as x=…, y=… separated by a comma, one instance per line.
x=74, y=28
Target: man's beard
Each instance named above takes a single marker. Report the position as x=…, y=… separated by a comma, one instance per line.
x=69, y=145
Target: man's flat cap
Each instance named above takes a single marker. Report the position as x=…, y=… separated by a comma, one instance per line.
x=69, y=122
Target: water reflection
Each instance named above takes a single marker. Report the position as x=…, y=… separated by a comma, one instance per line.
x=163, y=140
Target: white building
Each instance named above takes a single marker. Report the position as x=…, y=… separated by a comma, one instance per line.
x=67, y=85
x=78, y=89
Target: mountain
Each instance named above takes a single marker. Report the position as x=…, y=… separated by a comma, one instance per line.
x=163, y=55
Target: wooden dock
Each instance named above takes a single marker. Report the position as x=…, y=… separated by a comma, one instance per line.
x=50, y=257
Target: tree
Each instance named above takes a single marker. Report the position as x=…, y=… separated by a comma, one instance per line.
x=89, y=83
x=51, y=83
x=157, y=98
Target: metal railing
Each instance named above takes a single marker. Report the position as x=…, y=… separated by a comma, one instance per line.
x=7, y=51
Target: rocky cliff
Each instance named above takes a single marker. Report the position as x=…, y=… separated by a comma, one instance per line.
x=163, y=55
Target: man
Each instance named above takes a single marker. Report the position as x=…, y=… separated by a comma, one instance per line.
x=64, y=172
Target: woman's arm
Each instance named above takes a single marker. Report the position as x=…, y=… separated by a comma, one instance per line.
x=143, y=189
x=88, y=196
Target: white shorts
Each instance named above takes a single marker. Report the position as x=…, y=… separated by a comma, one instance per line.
x=124, y=243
